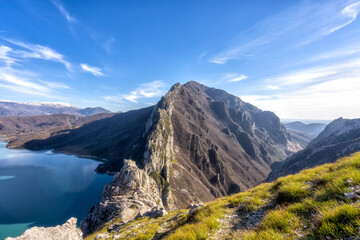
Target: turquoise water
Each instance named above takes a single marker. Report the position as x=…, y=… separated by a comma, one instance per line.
x=40, y=188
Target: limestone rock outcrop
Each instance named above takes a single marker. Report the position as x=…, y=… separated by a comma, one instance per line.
x=131, y=191
x=67, y=231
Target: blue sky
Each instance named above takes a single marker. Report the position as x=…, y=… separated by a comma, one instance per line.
x=300, y=59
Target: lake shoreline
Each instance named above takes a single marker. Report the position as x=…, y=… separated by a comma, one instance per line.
x=45, y=189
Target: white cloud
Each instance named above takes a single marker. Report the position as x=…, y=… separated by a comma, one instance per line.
x=25, y=81
x=317, y=74
x=146, y=90
x=63, y=11
x=350, y=13
x=4, y=55
x=329, y=100
x=94, y=70
x=36, y=51
x=254, y=98
x=22, y=81
x=234, y=77
x=272, y=87
x=55, y=85
x=322, y=92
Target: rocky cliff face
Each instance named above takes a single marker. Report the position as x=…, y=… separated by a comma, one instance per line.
x=222, y=145
x=136, y=190
x=132, y=191
x=67, y=231
x=340, y=138
x=198, y=143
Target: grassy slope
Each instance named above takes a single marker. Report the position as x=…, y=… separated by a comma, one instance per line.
x=308, y=205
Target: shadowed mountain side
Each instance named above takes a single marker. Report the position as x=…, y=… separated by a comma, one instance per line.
x=222, y=145
x=18, y=130
x=302, y=138
x=112, y=139
x=340, y=138
x=92, y=111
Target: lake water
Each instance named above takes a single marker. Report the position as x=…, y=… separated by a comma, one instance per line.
x=40, y=188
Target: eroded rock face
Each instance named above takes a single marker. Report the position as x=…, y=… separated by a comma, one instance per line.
x=67, y=231
x=131, y=191
x=135, y=190
x=222, y=145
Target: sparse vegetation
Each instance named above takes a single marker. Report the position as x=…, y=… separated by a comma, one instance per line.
x=308, y=205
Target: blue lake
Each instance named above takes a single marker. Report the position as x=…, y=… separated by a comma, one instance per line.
x=40, y=188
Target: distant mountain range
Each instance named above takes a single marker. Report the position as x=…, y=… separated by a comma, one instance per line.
x=18, y=130
x=340, y=138
x=311, y=128
x=35, y=109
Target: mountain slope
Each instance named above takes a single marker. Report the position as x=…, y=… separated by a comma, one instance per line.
x=92, y=111
x=34, y=109
x=311, y=128
x=320, y=203
x=223, y=142
x=18, y=130
x=196, y=144
x=112, y=138
x=303, y=139
x=340, y=138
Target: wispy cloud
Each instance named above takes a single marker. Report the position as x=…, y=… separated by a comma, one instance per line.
x=145, y=90
x=317, y=74
x=26, y=82
x=350, y=14
x=15, y=76
x=54, y=85
x=233, y=77
x=272, y=87
x=108, y=45
x=27, y=50
x=63, y=11
x=322, y=92
x=94, y=70
x=300, y=25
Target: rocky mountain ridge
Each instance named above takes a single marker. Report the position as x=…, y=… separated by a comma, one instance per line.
x=196, y=144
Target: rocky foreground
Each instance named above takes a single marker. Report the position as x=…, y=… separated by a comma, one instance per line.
x=67, y=231
x=319, y=203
